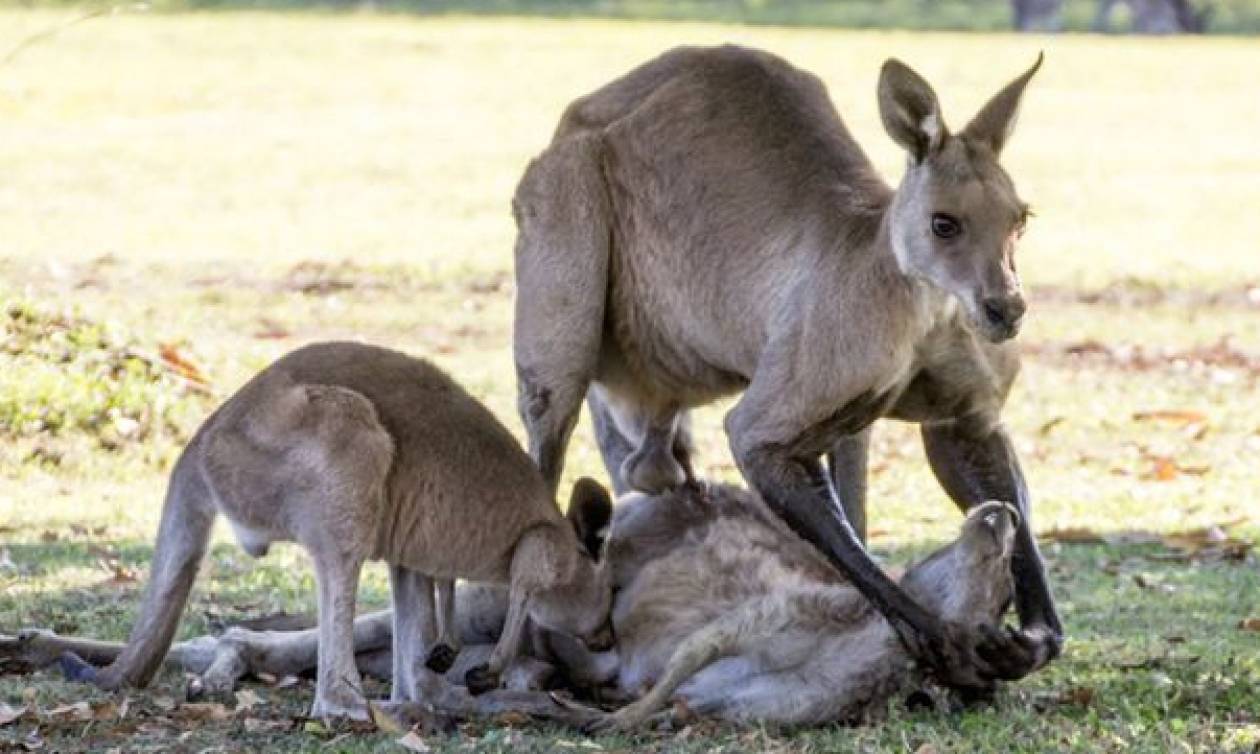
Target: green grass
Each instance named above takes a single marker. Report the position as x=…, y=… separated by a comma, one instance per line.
x=1224, y=16
x=234, y=185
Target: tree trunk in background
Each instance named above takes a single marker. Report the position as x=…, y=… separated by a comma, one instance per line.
x=1154, y=16
x=1038, y=15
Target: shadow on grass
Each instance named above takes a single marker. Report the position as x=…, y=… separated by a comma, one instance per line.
x=1155, y=654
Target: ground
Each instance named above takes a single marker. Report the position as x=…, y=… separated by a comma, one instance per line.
x=185, y=197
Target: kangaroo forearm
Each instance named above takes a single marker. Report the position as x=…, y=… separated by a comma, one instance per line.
x=799, y=492
x=975, y=464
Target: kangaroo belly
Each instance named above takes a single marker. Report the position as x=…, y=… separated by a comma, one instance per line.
x=659, y=345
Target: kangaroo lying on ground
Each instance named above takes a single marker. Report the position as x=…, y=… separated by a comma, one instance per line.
x=778, y=636
x=706, y=226
x=710, y=586
x=357, y=453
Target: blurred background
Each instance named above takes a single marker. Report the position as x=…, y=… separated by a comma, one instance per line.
x=190, y=189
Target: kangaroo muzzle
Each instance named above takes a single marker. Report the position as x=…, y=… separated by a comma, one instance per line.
x=1002, y=316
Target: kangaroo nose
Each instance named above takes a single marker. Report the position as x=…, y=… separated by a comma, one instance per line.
x=1004, y=311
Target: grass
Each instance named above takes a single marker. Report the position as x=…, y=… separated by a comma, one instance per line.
x=223, y=187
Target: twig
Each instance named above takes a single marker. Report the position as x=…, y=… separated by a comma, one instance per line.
x=53, y=31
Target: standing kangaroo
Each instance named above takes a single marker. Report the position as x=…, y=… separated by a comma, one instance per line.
x=706, y=225
x=359, y=453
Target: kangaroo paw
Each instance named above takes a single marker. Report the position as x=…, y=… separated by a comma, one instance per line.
x=441, y=658
x=481, y=679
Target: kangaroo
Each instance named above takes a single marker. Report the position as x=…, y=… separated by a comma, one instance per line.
x=356, y=453
x=769, y=636
x=687, y=566
x=706, y=226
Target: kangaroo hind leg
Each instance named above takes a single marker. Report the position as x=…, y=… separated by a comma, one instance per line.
x=563, y=218
x=746, y=627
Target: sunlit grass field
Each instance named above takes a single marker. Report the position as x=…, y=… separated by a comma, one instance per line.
x=224, y=187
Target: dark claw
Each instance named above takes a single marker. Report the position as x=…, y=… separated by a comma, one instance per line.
x=441, y=658
x=76, y=669
x=479, y=680
x=195, y=690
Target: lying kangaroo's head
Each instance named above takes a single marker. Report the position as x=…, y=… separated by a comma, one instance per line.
x=580, y=602
x=955, y=218
x=970, y=581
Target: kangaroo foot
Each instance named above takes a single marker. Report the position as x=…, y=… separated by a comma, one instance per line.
x=441, y=658
x=652, y=468
x=481, y=679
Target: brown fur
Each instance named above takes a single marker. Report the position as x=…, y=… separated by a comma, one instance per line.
x=357, y=453
x=706, y=226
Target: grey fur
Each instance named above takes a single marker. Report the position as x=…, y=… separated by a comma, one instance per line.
x=705, y=226
x=743, y=619
x=358, y=453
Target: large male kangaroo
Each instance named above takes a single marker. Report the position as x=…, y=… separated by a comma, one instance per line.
x=706, y=225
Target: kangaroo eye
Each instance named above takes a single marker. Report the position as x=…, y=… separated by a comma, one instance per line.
x=945, y=226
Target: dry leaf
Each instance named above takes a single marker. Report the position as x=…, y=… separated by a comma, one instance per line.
x=1077, y=696
x=1074, y=535
x=9, y=714
x=247, y=700
x=1246, y=624
x=269, y=329
x=1164, y=470
x=202, y=711
x=927, y=749
x=1046, y=428
x=1171, y=415
x=383, y=720
x=76, y=711
x=176, y=362
x=258, y=725
x=413, y=742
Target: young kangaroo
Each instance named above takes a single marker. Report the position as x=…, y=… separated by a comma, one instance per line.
x=357, y=453
x=769, y=634
x=706, y=226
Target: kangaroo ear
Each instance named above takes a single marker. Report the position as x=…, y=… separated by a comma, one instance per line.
x=908, y=107
x=995, y=122
x=590, y=510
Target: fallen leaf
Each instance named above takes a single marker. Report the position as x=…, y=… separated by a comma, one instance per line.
x=1171, y=415
x=927, y=749
x=1074, y=535
x=1164, y=470
x=269, y=329
x=164, y=703
x=383, y=720
x=202, y=711
x=76, y=711
x=259, y=725
x=1249, y=624
x=413, y=742
x=9, y=714
x=176, y=362
x=1046, y=428
x=246, y=700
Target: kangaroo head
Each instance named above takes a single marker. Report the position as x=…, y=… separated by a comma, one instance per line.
x=970, y=580
x=579, y=601
x=955, y=218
